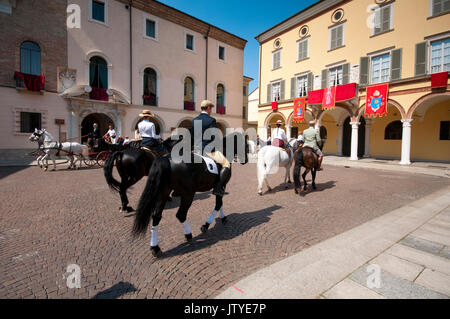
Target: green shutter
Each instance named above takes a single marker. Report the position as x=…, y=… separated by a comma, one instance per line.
x=282, y=87
x=269, y=93
x=364, y=71
x=421, y=59
x=346, y=73
x=293, y=87
x=324, y=79
x=396, y=64
x=310, y=82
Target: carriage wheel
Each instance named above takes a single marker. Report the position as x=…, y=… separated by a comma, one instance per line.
x=101, y=158
x=91, y=161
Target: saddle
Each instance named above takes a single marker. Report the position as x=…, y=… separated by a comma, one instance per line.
x=211, y=164
x=151, y=151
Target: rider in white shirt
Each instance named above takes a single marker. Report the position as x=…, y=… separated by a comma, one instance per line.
x=148, y=132
x=279, y=137
x=112, y=134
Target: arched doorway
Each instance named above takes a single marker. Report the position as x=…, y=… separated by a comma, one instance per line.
x=102, y=120
x=347, y=137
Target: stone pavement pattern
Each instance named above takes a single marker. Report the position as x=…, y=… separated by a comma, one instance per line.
x=52, y=219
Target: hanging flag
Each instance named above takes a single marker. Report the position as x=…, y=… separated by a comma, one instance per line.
x=299, y=109
x=329, y=98
x=376, y=100
x=274, y=105
x=439, y=80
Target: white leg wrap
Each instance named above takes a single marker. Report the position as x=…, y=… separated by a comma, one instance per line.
x=211, y=217
x=187, y=228
x=154, y=241
x=222, y=214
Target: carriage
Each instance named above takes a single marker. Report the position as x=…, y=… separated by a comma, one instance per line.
x=99, y=150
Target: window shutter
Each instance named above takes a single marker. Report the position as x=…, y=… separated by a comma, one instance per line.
x=269, y=93
x=293, y=87
x=386, y=18
x=437, y=7
x=340, y=36
x=396, y=64
x=324, y=79
x=346, y=73
x=282, y=87
x=310, y=82
x=364, y=71
x=421, y=59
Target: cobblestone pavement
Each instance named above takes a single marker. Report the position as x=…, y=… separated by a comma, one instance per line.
x=50, y=220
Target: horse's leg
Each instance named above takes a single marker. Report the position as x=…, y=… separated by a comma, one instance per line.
x=304, y=178
x=123, y=195
x=217, y=208
x=266, y=172
x=156, y=218
x=186, y=201
x=53, y=156
x=313, y=173
x=45, y=164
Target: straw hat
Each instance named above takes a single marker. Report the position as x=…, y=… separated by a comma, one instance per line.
x=207, y=103
x=279, y=122
x=312, y=122
x=146, y=113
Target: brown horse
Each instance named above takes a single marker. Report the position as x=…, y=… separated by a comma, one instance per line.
x=306, y=157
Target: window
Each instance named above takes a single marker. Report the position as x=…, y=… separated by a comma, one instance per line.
x=383, y=19
x=440, y=56
x=98, y=73
x=303, y=50
x=276, y=91
x=189, y=94
x=30, y=58
x=393, y=131
x=220, y=99
x=276, y=60
x=337, y=37
x=5, y=7
x=381, y=66
x=440, y=6
x=244, y=112
x=221, y=53
x=150, y=92
x=445, y=131
x=98, y=10
x=244, y=90
x=150, y=29
x=190, y=42
x=335, y=76
x=29, y=121
x=302, y=86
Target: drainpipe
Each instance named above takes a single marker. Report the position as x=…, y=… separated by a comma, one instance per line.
x=131, y=51
x=206, y=69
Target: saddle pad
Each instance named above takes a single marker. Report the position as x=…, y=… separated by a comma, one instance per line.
x=211, y=165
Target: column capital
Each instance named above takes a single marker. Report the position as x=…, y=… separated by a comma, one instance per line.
x=407, y=122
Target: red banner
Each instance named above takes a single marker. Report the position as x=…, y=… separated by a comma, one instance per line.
x=274, y=105
x=439, y=80
x=376, y=99
x=31, y=82
x=343, y=93
x=299, y=109
x=329, y=98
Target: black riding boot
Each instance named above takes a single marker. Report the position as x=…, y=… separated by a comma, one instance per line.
x=219, y=188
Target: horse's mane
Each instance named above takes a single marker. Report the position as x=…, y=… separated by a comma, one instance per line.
x=49, y=135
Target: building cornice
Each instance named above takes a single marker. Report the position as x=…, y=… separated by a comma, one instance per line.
x=173, y=15
x=299, y=18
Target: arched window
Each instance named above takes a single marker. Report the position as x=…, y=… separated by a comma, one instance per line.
x=150, y=97
x=30, y=58
x=189, y=94
x=98, y=73
x=393, y=131
x=220, y=99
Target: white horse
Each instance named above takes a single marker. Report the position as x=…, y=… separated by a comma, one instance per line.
x=51, y=147
x=270, y=159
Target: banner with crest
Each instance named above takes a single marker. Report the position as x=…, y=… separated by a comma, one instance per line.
x=376, y=99
x=299, y=109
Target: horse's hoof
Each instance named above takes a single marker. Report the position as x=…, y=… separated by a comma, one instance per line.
x=269, y=189
x=260, y=193
x=204, y=228
x=286, y=187
x=224, y=220
x=156, y=251
x=289, y=182
x=304, y=188
x=189, y=238
x=130, y=209
x=296, y=191
x=314, y=187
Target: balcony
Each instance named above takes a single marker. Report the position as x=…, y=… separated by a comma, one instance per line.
x=189, y=106
x=151, y=100
x=99, y=94
x=220, y=109
x=35, y=83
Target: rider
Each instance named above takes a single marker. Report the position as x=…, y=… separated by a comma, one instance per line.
x=279, y=136
x=313, y=140
x=111, y=133
x=209, y=122
x=148, y=133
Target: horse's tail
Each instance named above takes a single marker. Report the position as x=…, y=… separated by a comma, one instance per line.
x=158, y=178
x=108, y=168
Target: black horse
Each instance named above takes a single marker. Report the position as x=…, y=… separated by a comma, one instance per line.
x=132, y=164
x=185, y=179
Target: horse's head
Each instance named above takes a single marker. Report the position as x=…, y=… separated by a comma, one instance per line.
x=37, y=135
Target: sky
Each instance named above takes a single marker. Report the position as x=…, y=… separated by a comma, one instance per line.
x=244, y=18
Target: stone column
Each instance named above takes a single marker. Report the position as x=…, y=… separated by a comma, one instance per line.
x=288, y=132
x=406, y=142
x=340, y=139
x=367, y=139
x=354, y=145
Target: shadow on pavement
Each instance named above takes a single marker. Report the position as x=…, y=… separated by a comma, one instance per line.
x=320, y=187
x=115, y=291
x=9, y=170
x=236, y=225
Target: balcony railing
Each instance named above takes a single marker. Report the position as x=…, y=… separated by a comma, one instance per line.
x=29, y=81
x=220, y=109
x=151, y=100
x=99, y=94
x=189, y=106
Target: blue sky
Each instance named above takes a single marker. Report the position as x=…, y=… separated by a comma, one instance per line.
x=244, y=18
